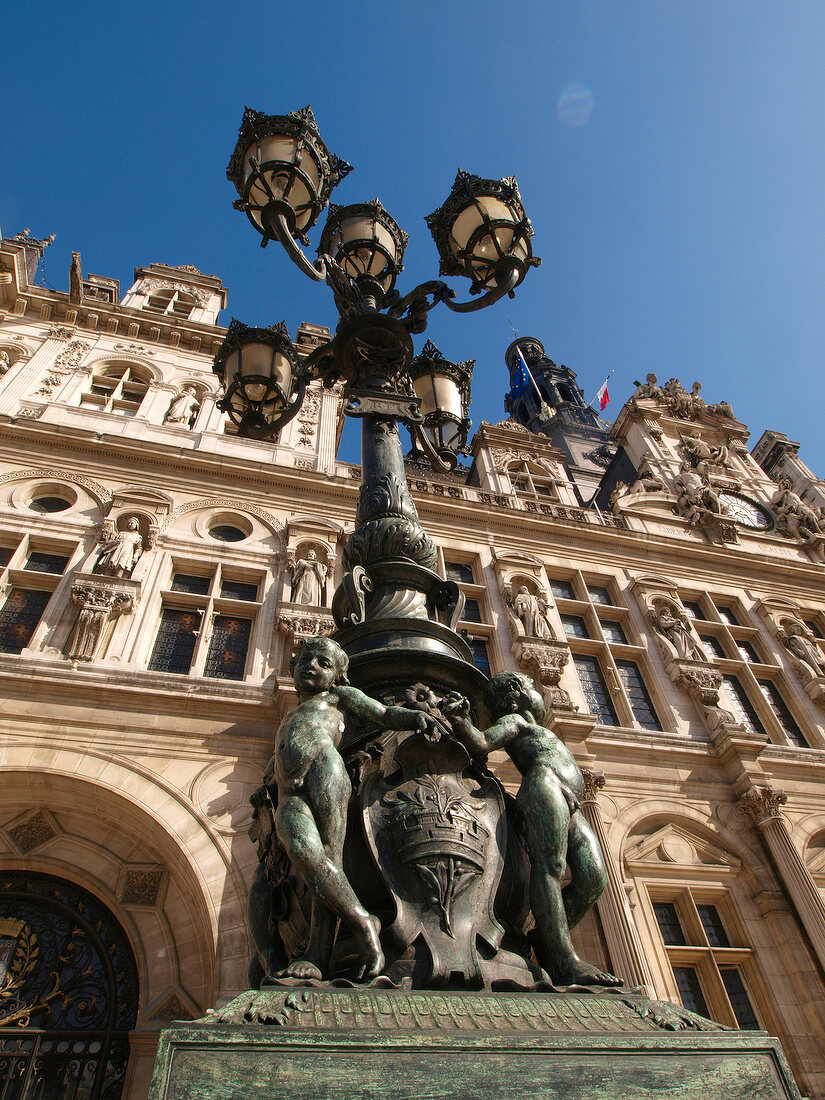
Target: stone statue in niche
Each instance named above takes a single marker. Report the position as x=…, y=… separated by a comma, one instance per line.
x=120, y=551
x=310, y=793
x=800, y=642
x=309, y=578
x=184, y=408
x=5, y=362
x=531, y=610
x=557, y=833
x=672, y=625
x=794, y=517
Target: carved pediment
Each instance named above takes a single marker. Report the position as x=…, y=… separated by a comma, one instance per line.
x=674, y=847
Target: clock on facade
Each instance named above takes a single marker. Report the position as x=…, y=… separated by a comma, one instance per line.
x=745, y=511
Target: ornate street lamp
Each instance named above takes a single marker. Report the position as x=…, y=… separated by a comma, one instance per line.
x=444, y=391
x=391, y=595
x=366, y=243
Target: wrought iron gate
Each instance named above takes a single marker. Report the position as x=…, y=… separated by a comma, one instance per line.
x=68, y=992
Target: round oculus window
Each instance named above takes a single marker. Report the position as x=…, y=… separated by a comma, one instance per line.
x=46, y=504
x=225, y=532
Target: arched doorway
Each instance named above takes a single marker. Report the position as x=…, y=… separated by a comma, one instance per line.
x=68, y=992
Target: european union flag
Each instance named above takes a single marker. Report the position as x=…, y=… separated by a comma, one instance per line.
x=521, y=379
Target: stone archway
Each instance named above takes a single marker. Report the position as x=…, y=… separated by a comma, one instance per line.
x=68, y=991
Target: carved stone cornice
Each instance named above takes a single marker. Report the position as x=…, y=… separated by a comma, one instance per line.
x=760, y=804
x=544, y=660
x=593, y=781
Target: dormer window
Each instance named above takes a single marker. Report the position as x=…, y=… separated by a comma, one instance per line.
x=172, y=302
x=531, y=482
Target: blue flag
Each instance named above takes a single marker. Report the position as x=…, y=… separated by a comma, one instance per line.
x=521, y=379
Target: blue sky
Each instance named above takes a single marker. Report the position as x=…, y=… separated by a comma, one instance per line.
x=681, y=222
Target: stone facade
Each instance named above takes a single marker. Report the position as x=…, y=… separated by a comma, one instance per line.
x=132, y=740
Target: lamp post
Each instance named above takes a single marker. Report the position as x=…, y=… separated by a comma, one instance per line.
x=391, y=597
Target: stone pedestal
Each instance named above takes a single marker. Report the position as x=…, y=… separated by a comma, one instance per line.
x=336, y=1044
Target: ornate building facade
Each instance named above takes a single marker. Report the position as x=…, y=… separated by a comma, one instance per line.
x=664, y=585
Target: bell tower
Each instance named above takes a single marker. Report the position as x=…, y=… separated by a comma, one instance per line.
x=545, y=398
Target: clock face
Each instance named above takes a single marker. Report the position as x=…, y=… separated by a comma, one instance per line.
x=744, y=511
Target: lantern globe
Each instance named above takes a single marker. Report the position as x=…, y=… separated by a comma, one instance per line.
x=365, y=240
x=257, y=367
x=482, y=232
x=280, y=164
x=443, y=389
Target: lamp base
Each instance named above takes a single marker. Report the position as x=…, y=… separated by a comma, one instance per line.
x=335, y=1043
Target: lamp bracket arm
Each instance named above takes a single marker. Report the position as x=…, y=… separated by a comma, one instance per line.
x=507, y=286
x=317, y=271
x=422, y=441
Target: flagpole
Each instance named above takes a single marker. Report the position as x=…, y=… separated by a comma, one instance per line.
x=599, y=390
x=544, y=408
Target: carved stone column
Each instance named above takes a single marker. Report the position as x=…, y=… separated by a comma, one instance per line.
x=626, y=952
x=761, y=805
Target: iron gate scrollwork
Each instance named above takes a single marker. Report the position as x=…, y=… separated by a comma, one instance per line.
x=68, y=992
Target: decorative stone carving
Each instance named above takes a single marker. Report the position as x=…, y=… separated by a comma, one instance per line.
x=795, y=519
x=687, y=406
x=647, y=480
x=5, y=362
x=619, y=491
x=184, y=408
x=593, y=782
x=198, y=505
x=673, y=630
x=307, y=418
x=703, y=456
x=502, y=459
x=761, y=803
x=303, y=624
x=120, y=549
x=99, y=603
x=702, y=682
x=545, y=660
x=699, y=503
x=685, y=661
x=531, y=611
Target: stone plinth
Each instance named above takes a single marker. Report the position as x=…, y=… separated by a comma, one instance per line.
x=336, y=1044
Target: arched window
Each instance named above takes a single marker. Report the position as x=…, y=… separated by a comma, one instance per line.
x=117, y=388
x=170, y=301
x=68, y=991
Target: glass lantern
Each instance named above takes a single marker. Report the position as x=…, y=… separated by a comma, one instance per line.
x=444, y=390
x=365, y=241
x=257, y=367
x=281, y=165
x=482, y=232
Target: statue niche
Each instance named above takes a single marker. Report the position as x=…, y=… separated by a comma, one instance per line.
x=308, y=577
x=120, y=548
